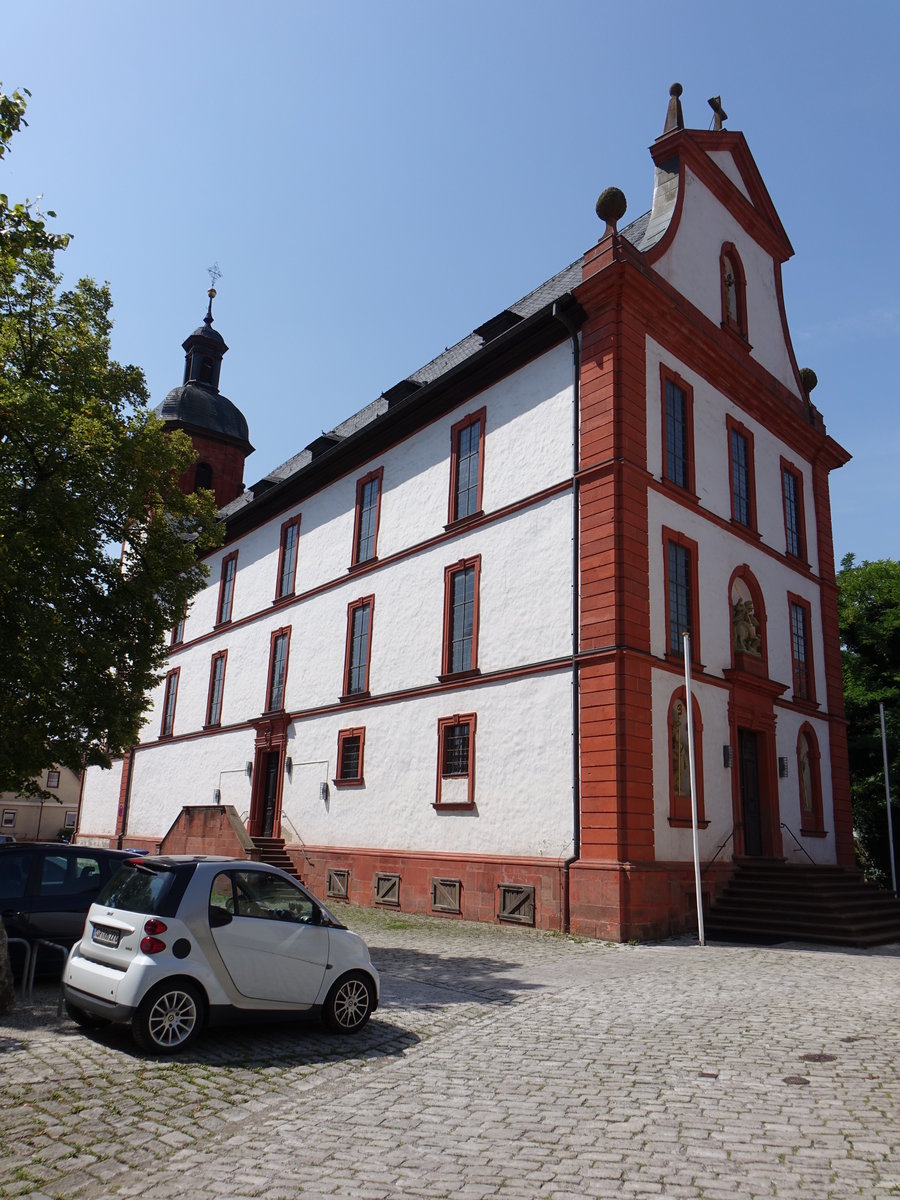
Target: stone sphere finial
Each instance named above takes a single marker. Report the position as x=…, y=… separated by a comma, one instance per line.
x=676, y=90
x=611, y=207
x=808, y=378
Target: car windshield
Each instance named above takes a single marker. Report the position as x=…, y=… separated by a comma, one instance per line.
x=139, y=887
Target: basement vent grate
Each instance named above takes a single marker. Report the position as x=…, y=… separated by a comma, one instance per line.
x=445, y=895
x=516, y=903
x=387, y=889
x=338, y=885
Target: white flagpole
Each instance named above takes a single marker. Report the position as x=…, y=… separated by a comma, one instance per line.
x=695, y=830
x=887, y=793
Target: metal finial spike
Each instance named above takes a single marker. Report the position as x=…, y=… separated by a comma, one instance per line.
x=674, y=115
x=720, y=116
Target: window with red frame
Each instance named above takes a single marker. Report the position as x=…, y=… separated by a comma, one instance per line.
x=678, y=430
x=679, y=762
x=287, y=558
x=741, y=470
x=216, y=688
x=351, y=744
x=809, y=783
x=226, y=588
x=169, y=701
x=682, y=613
x=461, y=587
x=359, y=635
x=456, y=761
x=792, y=495
x=801, y=650
x=368, y=510
x=278, y=664
x=734, y=291
x=467, y=466
x=178, y=629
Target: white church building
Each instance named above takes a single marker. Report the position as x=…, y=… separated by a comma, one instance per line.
x=440, y=654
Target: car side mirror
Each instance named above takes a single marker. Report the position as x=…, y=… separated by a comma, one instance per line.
x=219, y=917
x=315, y=917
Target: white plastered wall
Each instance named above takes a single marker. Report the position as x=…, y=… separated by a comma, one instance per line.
x=691, y=265
x=523, y=757
x=523, y=773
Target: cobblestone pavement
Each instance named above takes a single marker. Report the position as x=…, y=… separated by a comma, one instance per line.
x=503, y=1062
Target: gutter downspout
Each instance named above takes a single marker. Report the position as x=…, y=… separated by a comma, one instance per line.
x=573, y=330
x=127, y=804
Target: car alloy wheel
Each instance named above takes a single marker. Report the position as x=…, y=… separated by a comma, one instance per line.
x=169, y=1018
x=349, y=1004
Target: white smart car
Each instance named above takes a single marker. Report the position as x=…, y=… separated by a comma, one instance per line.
x=173, y=943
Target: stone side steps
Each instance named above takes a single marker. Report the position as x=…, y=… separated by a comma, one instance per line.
x=271, y=850
x=769, y=900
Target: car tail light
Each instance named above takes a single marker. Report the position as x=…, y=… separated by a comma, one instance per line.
x=152, y=945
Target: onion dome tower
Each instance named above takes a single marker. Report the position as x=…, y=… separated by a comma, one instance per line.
x=217, y=428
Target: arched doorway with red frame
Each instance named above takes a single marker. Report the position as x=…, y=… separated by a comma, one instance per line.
x=268, y=776
x=751, y=723
x=754, y=763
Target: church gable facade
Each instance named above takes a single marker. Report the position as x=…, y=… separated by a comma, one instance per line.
x=441, y=652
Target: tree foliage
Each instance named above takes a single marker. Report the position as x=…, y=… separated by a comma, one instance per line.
x=869, y=612
x=97, y=542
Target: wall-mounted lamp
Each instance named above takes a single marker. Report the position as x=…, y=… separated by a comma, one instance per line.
x=217, y=796
x=249, y=769
x=726, y=757
x=782, y=768
x=289, y=767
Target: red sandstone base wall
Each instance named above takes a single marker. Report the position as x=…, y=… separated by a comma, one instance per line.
x=480, y=879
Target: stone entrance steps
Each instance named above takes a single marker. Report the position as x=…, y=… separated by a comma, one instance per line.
x=271, y=850
x=770, y=900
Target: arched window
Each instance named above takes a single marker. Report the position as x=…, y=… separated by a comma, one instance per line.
x=679, y=762
x=734, y=291
x=202, y=476
x=809, y=781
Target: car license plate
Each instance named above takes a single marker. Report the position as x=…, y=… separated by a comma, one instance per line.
x=106, y=937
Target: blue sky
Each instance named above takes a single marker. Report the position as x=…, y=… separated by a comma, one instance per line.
x=376, y=179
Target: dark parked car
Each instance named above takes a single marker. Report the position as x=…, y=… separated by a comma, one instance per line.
x=46, y=889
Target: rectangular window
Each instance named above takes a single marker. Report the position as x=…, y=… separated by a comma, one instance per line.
x=356, y=659
x=456, y=762
x=216, y=688
x=466, y=466
x=678, y=434
x=178, y=630
x=53, y=779
x=278, y=663
x=169, y=700
x=9, y=818
x=287, y=558
x=226, y=588
x=740, y=465
x=461, y=588
x=682, y=614
x=801, y=652
x=69, y=822
x=351, y=743
x=792, y=494
x=368, y=508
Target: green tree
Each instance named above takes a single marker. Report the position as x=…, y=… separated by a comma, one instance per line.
x=97, y=541
x=869, y=613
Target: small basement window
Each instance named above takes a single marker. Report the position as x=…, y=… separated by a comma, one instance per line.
x=516, y=904
x=338, y=885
